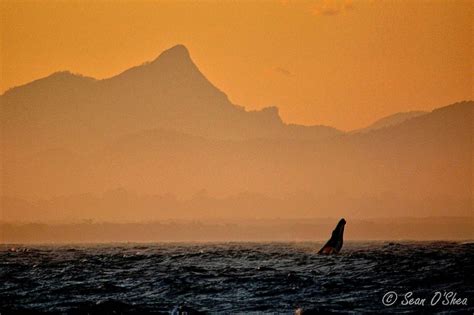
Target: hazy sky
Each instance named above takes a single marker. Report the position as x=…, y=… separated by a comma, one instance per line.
x=336, y=63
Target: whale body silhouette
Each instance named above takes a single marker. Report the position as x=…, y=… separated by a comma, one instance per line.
x=334, y=245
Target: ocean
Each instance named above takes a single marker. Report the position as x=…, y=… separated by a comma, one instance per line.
x=258, y=278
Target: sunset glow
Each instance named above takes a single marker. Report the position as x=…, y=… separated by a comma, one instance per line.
x=339, y=63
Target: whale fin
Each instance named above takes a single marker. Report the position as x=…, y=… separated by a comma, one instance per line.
x=334, y=245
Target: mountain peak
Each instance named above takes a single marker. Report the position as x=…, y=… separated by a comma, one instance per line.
x=173, y=65
x=178, y=53
x=177, y=49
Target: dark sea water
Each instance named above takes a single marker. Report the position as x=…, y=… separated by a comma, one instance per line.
x=235, y=278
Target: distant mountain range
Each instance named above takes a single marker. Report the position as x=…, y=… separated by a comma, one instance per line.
x=391, y=120
x=177, y=147
x=169, y=93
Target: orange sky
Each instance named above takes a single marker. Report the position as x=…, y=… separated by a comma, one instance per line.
x=337, y=63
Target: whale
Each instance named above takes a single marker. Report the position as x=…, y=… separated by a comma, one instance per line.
x=334, y=245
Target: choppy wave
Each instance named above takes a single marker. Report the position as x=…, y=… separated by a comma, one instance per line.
x=233, y=277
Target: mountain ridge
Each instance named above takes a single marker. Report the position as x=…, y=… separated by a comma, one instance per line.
x=159, y=129
x=391, y=120
x=169, y=92
x=180, y=55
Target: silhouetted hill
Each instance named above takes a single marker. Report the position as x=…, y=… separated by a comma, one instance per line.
x=391, y=120
x=169, y=93
x=421, y=167
x=179, y=149
x=57, y=80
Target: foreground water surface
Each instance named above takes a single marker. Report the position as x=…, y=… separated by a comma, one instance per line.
x=237, y=278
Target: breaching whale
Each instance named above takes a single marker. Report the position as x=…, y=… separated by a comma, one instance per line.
x=334, y=245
